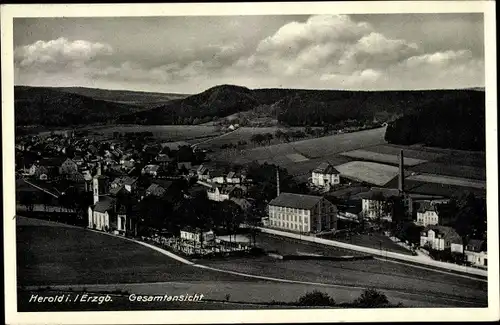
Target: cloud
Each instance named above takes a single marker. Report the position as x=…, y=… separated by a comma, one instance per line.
x=59, y=53
x=324, y=51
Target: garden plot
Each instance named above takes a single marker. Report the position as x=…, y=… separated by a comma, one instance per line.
x=369, y=172
x=382, y=157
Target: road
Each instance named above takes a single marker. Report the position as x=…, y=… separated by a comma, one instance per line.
x=59, y=257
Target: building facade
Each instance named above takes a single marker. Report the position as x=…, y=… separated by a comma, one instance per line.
x=325, y=175
x=302, y=213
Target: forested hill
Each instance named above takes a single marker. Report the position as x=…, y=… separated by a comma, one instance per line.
x=51, y=107
x=295, y=107
x=457, y=123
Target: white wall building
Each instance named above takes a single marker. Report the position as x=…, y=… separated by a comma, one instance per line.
x=197, y=235
x=302, y=213
x=440, y=238
x=325, y=175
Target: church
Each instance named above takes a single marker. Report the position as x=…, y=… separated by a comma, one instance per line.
x=108, y=212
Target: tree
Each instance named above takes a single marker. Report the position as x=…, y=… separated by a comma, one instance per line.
x=372, y=298
x=316, y=298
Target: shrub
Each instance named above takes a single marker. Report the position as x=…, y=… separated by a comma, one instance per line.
x=371, y=298
x=316, y=298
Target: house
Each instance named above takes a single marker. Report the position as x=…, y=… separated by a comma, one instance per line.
x=184, y=164
x=376, y=203
x=197, y=235
x=151, y=170
x=219, y=193
x=303, y=213
x=235, y=178
x=440, y=238
x=435, y=213
x=68, y=167
x=427, y=214
x=47, y=166
x=155, y=190
x=163, y=160
x=202, y=173
x=130, y=183
x=325, y=175
x=475, y=252
x=216, y=176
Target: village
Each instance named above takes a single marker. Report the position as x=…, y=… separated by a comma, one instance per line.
x=169, y=194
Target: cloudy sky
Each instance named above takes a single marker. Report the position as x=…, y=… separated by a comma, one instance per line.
x=191, y=54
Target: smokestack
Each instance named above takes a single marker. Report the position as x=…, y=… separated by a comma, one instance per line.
x=278, y=181
x=401, y=185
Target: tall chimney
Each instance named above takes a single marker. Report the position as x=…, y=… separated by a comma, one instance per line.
x=401, y=185
x=278, y=181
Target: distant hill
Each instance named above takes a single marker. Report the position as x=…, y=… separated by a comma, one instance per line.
x=218, y=101
x=139, y=98
x=294, y=107
x=51, y=107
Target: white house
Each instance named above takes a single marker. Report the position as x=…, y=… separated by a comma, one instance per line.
x=440, y=238
x=197, y=235
x=475, y=253
x=427, y=214
x=151, y=170
x=376, y=203
x=302, y=213
x=325, y=175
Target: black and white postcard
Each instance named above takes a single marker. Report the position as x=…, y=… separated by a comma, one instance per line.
x=250, y=162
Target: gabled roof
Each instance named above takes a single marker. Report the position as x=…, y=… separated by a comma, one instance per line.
x=326, y=168
x=105, y=204
x=379, y=191
x=116, y=190
x=156, y=190
x=427, y=206
x=475, y=245
x=296, y=201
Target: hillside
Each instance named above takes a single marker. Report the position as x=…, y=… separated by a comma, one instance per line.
x=218, y=101
x=51, y=107
x=457, y=123
x=297, y=107
x=140, y=98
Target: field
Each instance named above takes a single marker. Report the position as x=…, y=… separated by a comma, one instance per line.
x=381, y=157
x=50, y=255
x=160, y=132
x=300, y=157
x=62, y=257
x=369, y=172
x=448, y=180
x=470, y=172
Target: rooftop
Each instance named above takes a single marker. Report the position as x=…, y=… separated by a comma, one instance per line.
x=326, y=168
x=296, y=201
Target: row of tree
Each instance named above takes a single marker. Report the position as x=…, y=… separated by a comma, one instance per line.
x=457, y=124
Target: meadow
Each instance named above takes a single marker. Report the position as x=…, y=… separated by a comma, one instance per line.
x=370, y=172
x=382, y=157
